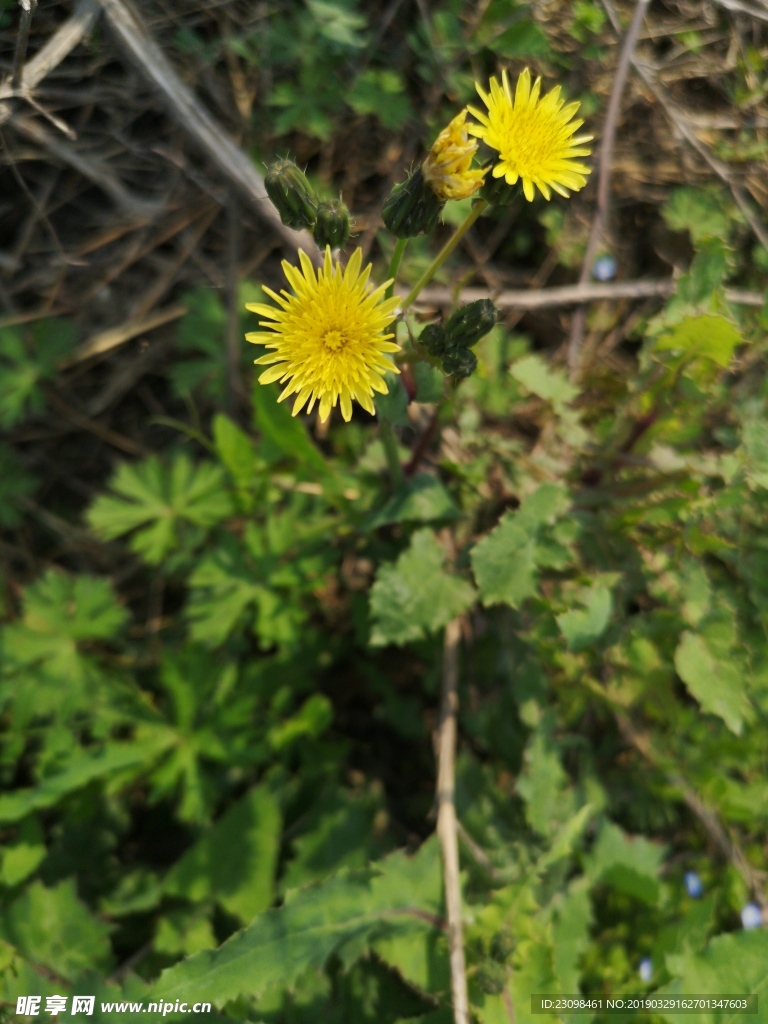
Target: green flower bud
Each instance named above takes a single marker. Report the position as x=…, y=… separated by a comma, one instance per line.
x=434, y=340
x=411, y=208
x=459, y=363
x=332, y=224
x=502, y=946
x=292, y=194
x=491, y=977
x=497, y=192
x=466, y=326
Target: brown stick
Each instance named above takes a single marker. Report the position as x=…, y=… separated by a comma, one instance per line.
x=446, y=819
x=599, y=221
x=144, y=53
x=28, y=8
x=574, y=294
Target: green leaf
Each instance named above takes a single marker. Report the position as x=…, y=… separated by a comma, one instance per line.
x=732, y=964
x=236, y=451
x=430, y=382
x=421, y=499
x=60, y=614
x=52, y=928
x=82, y=769
x=754, y=438
x=542, y=785
x=581, y=628
x=158, y=501
x=392, y=406
x=504, y=562
x=702, y=211
x=415, y=595
x=717, y=683
x=706, y=336
x=381, y=93
x=628, y=863
x=392, y=898
x=201, y=334
x=27, y=358
x=535, y=374
x=233, y=862
x=286, y=432
x=22, y=855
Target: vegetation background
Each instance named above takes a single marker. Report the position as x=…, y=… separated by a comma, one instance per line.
x=222, y=635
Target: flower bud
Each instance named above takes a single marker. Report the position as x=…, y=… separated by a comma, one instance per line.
x=491, y=977
x=293, y=196
x=332, y=224
x=434, y=340
x=459, y=363
x=497, y=192
x=466, y=326
x=411, y=208
x=448, y=168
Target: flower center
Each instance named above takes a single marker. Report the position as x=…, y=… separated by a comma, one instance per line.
x=334, y=340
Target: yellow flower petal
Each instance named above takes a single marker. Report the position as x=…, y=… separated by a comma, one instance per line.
x=534, y=136
x=329, y=340
x=448, y=168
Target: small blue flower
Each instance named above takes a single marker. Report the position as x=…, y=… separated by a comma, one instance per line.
x=693, y=884
x=751, y=916
x=645, y=970
x=604, y=268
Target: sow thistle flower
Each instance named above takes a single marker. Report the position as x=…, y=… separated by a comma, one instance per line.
x=328, y=339
x=448, y=167
x=533, y=135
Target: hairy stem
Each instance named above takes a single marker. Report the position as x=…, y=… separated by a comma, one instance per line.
x=445, y=252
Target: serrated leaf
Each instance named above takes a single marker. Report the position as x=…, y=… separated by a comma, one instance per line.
x=156, y=501
x=701, y=211
x=27, y=358
x=582, y=627
x=234, y=861
x=421, y=499
x=391, y=898
x=415, y=595
x=542, y=784
x=504, y=562
x=21, y=855
x=754, y=437
x=717, y=684
x=535, y=374
x=706, y=336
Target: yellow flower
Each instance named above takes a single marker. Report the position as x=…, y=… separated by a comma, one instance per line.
x=534, y=137
x=328, y=338
x=447, y=169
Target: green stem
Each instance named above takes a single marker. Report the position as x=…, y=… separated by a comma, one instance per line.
x=390, y=450
x=479, y=206
x=394, y=265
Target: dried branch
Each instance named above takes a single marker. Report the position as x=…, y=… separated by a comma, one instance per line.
x=28, y=8
x=599, y=221
x=446, y=819
x=133, y=36
x=573, y=295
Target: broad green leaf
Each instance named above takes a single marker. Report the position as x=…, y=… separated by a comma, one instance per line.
x=234, y=861
x=504, y=562
x=570, y=934
x=81, y=769
x=716, y=683
x=415, y=595
x=285, y=432
x=535, y=374
x=52, y=928
x=582, y=627
x=542, y=785
x=628, y=863
x=29, y=356
x=430, y=382
x=392, y=406
x=393, y=897
x=421, y=499
x=156, y=501
x=702, y=211
x=731, y=964
x=236, y=451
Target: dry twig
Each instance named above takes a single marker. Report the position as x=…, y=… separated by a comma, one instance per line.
x=446, y=819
